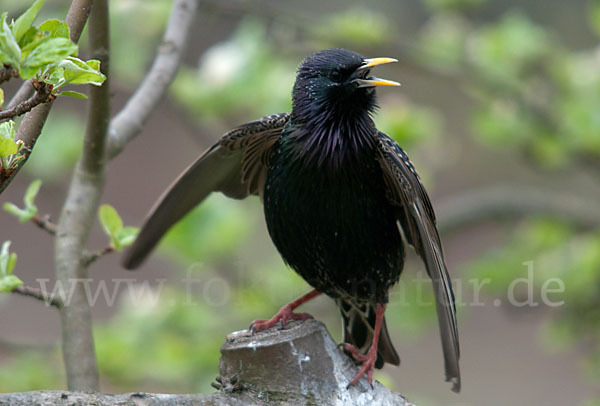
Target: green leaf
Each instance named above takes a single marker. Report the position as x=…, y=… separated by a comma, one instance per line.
x=7, y=260
x=50, y=51
x=30, y=209
x=4, y=257
x=94, y=64
x=31, y=41
x=53, y=74
x=55, y=28
x=22, y=24
x=9, y=283
x=1, y=98
x=7, y=129
x=111, y=223
x=31, y=35
x=28, y=73
x=110, y=219
x=71, y=93
x=78, y=72
x=10, y=53
x=14, y=210
x=12, y=262
x=28, y=214
x=24, y=215
x=8, y=146
x=31, y=193
x=127, y=235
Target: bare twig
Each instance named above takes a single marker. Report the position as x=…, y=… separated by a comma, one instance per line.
x=31, y=126
x=44, y=223
x=129, y=121
x=77, y=216
x=43, y=94
x=89, y=258
x=38, y=294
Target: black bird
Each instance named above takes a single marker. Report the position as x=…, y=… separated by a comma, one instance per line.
x=339, y=197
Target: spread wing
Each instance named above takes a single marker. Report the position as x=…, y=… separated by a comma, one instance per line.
x=417, y=219
x=236, y=166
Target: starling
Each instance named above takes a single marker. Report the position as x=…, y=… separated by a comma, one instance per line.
x=340, y=197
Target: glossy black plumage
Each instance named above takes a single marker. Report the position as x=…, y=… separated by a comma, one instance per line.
x=335, y=191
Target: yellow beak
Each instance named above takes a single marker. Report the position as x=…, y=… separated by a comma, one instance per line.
x=369, y=63
x=373, y=81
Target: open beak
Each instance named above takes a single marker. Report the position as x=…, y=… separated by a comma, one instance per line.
x=369, y=63
x=373, y=81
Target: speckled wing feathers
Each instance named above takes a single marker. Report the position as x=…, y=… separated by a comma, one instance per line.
x=236, y=166
x=417, y=218
x=255, y=140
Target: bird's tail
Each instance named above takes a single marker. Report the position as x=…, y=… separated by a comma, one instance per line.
x=359, y=325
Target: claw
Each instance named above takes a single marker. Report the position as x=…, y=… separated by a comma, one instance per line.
x=368, y=363
x=284, y=315
x=353, y=352
x=367, y=368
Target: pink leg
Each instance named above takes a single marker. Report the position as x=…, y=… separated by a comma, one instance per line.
x=286, y=313
x=353, y=352
x=368, y=361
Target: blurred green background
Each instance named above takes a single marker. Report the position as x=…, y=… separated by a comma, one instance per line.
x=499, y=110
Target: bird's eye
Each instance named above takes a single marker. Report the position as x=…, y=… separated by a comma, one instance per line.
x=336, y=75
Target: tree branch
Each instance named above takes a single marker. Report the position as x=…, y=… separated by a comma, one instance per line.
x=128, y=123
x=38, y=294
x=503, y=201
x=44, y=223
x=31, y=126
x=43, y=94
x=77, y=17
x=89, y=258
x=77, y=215
x=24, y=92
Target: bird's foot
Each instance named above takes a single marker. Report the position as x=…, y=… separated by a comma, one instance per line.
x=353, y=352
x=368, y=363
x=285, y=314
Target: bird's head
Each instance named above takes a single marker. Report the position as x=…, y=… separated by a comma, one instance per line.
x=335, y=84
